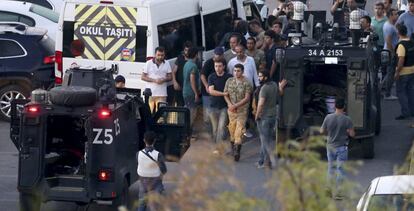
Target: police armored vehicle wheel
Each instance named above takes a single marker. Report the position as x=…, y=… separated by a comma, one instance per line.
x=73, y=96
x=7, y=95
x=368, y=148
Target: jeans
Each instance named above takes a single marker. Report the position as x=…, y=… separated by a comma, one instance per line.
x=336, y=155
x=147, y=185
x=266, y=127
x=389, y=78
x=192, y=106
x=237, y=123
x=206, y=107
x=218, y=118
x=405, y=94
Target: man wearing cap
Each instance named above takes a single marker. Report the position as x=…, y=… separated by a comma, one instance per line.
x=207, y=69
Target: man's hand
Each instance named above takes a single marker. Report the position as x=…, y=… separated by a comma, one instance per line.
x=396, y=75
x=225, y=94
x=339, y=1
x=282, y=84
x=232, y=108
x=177, y=86
x=197, y=98
x=159, y=81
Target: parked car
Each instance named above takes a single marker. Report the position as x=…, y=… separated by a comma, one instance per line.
x=389, y=193
x=26, y=63
x=54, y=5
x=29, y=14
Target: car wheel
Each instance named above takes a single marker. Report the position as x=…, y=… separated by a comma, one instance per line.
x=73, y=96
x=368, y=147
x=7, y=95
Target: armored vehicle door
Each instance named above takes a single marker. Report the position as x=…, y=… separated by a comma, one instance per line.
x=290, y=106
x=357, y=91
x=172, y=124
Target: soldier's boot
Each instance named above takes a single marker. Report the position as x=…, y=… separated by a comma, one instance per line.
x=237, y=153
x=231, y=150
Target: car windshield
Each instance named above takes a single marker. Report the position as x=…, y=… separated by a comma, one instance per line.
x=392, y=202
x=45, y=12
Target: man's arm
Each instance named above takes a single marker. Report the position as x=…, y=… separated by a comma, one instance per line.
x=260, y=105
x=281, y=87
x=146, y=78
x=204, y=81
x=161, y=163
x=245, y=100
x=194, y=84
x=351, y=132
x=168, y=77
x=216, y=93
x=273, y=68
x=335, y=6
x=401, y=60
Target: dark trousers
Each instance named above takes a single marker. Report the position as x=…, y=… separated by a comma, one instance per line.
x=148, y=185
x=174, y=97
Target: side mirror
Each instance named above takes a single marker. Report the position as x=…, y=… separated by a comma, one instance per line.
x=385, y=57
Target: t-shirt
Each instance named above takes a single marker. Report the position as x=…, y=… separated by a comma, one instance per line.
x=157, y=72
x=207, y=70
x=180, y=62
x=258, y=56
x=270, y=56
x=378, y=26
x=402, y=52
x=390, y=30
x=408, y=19
x=269, y=92
x=337, y=125
x=219, y=82
x=229, y=54
x=190, y=68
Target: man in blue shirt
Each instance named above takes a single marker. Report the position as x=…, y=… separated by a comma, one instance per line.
x=191, y=76
x=391, y=40
x=408, y=18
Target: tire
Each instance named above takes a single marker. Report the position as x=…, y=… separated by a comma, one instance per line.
x=123, y=199
x=368, y=148
x=73, y=96
x=29, y=202
x=7, y=94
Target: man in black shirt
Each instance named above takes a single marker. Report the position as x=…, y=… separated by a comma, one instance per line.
x=208, y=69
x=175, y=92
x=218, y=109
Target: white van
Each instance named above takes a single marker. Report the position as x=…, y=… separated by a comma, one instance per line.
x=124, y=33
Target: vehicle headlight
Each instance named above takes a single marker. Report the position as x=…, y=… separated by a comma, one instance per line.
x=295, y=40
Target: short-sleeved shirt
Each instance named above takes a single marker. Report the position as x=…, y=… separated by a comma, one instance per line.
x=269, y=92
x=258, y=56
x=157, y=72
x=390, y=30
x=402, y=52
x=229, y=54
x=190, y=68
x=180, y=62
x=408, y=19
x=219, y=82
x=207, y=70
x=378, y=26
x=270, y=56
x=336, y=126
x=237, y=91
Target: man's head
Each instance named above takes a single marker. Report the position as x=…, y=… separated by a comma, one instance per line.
x=339, y=103
x=264, y=75
x=234, y=41
x=379, y=9
x=269, y=37
x=238, y=71
x=365, y=23
x=192, y=53
x=187, y=45
x=351, y=4
x=387, y=5
x=411, y=6
x=159, y=54
x=219, y=65
x=255, y=26
x=251, y=44
x=277, y=27
x=149, y=138
x=392, y=15
x=218, y=53
x=119, y=81
x=402, y=30
x=240, y=54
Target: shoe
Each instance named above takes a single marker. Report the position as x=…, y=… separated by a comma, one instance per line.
x=401, y=117
x=248, y=134
x=391, y=97
x=259, y=165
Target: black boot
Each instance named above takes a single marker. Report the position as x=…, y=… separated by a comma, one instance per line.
x=237, y=154
x=232, y=149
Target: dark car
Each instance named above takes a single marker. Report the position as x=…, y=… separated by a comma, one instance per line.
x=26, y=63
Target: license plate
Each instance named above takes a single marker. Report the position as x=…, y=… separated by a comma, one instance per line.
x=325, y=52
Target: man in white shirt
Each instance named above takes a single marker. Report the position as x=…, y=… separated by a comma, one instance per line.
x=157, y=73
x=250, y=72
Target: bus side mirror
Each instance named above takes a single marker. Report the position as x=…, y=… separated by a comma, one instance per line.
x=385, y=57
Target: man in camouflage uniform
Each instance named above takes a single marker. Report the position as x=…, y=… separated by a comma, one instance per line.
x=238, y=101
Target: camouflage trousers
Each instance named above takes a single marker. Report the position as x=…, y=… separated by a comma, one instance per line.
x=237, y=125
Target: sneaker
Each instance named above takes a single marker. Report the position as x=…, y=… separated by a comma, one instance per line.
x=391, y=97
x=216, y=152
x=259, y=166
x=401, y=117
x=248, y=134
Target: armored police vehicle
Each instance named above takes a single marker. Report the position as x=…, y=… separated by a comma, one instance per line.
x=326, y=62
x=78, y=142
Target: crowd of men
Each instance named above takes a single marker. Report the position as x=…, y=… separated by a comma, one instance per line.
x=237, y=88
